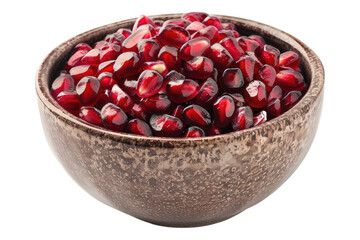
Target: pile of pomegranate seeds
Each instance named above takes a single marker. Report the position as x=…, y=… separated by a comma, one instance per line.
x=189, y=77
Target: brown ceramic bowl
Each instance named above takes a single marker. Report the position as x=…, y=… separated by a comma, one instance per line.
x=177, y=181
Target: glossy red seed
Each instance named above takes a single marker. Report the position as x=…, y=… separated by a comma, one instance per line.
x=258, y=63
x=70, y=101
x=182, y=90
x=142, y=20
x=126, y=65
x=62, y=83
x=121, y=99
x=130, y=43
x=243, y=118
x=232, y=80
x=166, y=125
x=149, y=83
x=248, y=44
x=75, y=59
x=220, y=56
x=113, y=117
x=238, y=99
x=270, y=55
x=101, y=44
x=260, y=118
x=193, y=48
x=138, y=127
x=125, y=32
x=81, y=71
x=194, y=115
x=258, y=39
x=180, y=22
x=194, y=27
x=107, y=66
x=199, y=68
x=158, y=66
x=173, y=35
x=290, y=80
x=177, y=112
x=289, y=59
x=103, y=99
x=247, y=66
x=91, y=115
x=148, y=50
x=225, y=33
x=115, y=38
x=194, y=131
x=195, y=16
x=210, y=32
x=214, y=21
x=157, y=104
x=172, y=75
x=255, y=94
x=170, y=56
x=236, y=33
x=290, y=99
x=267, y=74
x=212, y=130
x=88, y=90
x=207, y=93
x=230, y=26
x=276, y=92
x=129, y=86
x=137, y=111
x=82, y=46
x=223, y=109
x=233, y=47
x=273, y=108
x=106, y=80
x=91, y=58
x=109, y=53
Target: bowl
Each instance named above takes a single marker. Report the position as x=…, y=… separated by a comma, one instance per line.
x=183, y=182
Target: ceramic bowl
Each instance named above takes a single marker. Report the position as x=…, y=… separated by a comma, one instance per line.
x=177, y=181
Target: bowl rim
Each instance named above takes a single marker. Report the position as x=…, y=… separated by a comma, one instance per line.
x=313, y=93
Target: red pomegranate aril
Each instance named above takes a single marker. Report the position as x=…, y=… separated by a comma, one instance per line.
x=232, y=80
x=158, y=66
x=91, y=115
x=195, y=115
x=258, y=63
x=75, y=59
x=276, y=92
x=233, y=47
x=138, y=127
x=121, y=99
x=238, y=99
x=213, y=130
x=230, y=26
x=290, y=99
x=289, y=59
x=142, y=20
x=157, y=104
x=113, y=117
x=166, y=125
x=194, y=131
x=207, y=93
x=170, y=56
x=194, y=27
x=82, y=46
x=273, y=108
x=195, y=47
x=290, y=80
x=270, y=55
x=243, y=118
x=115, y=38
x=126, y=65
x=172, y=75
x=214, y=21
x=173, y=35
x=91, y=58
x=260, y=118
x=70, y=101
x=195, y=16
x=267, y=74
x=81, y=71
x=158, y=23
x=220, y=56
x=130, y=43
x=225, y=33
x=107, y=66
x=255, y=94
x=248, y=44
x=247, y=66
x=177, y=112
x=101, y=44
x=106, y=80
x=109, y=53
x=62, y=83
x=199, y=68
x=148, y=50
x=149, y=83
x=210, y=32
x=223, y=109
x=125, y=32
x=137, y=111
x=103, y=99
x=182, y=90
x=236, y=33
x=180, y=22
x=88, y=90
x=258, y=39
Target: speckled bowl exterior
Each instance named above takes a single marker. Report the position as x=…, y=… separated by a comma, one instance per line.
x=183, y=182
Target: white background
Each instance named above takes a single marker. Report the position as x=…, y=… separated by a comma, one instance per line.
x=38, y=200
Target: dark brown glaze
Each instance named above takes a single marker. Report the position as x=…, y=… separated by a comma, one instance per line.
x=183, y=182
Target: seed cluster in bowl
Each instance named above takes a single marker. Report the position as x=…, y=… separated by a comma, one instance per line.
x=189, y=77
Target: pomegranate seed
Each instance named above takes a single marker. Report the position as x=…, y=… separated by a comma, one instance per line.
x=236, y=33
x=180, y=22
x=169, y=55
x=125, y=32
x=194, y=27
x=195, y=47
x=142, y=20
x=75, y=59
x=129, y=85
x=232, y=80
x=210, y=32
x=258, y=63
x=130, y=43
x=126, y=65
x=225, y=33
x=215, y=75
x=70, y=101
x=255, y=94
x=166, y=125
x=289, y=59
x=138, y=127
x=207, y=93
x=258, y=39
x=148, y=49
x=233, y=47
x=238, y=99
x=290, y=99
x=91, y=115
x=247, y=66
x=156, y=104
x=101, y=44
x=214, y=21
x=91, y=58
x=81, y=71
x=172, y=75
x=62, y=83
x=103, y=99
x=230, y=26
x=267, y=74
x=115, y=38
x=273, y=108
x=88, y=90
x=158, y=66
x=158, y=23
x=248, y=44
x=138, y=112
x=223, y=109
x=109, y=53
x=199, y=68
x=107, y=66
x=149, y=83
x=82, y=46
x=194, y=132
x=173, y=35
x=177, y=112
x=220, y=56
x=276, y=92
x=196, y=115
x=243, y=118
x=106, y=80
x=213, y=130
x=270, y=55
x=182, y=90
x=260, y=118
x=121, y=99
x=195, y=16
x=290, y=80
x=113, y=117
